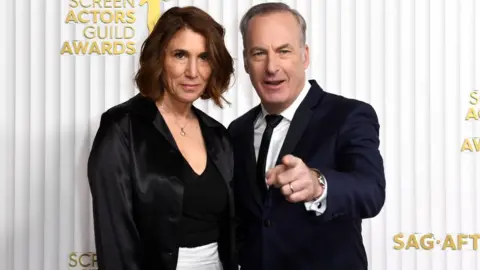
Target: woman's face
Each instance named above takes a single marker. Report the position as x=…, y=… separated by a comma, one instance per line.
x=187, y=69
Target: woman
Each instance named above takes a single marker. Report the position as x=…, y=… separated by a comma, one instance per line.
x=160, y=170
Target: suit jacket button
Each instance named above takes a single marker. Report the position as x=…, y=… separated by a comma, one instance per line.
x=267, y=223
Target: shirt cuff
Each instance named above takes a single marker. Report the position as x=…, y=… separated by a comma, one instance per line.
x=319, y=205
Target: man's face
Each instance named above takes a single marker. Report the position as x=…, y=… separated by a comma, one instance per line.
x=276, y=59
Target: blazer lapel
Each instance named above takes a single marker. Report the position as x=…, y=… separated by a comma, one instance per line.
x=218, y=154
x=162, y=127
x=300, y=120
x=218, y=147
x=147, y=108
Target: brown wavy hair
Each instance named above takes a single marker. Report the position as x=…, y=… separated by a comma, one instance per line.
x=150, y=77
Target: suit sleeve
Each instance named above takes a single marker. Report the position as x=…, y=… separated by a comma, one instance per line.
x=356, y=189
x=116, y=236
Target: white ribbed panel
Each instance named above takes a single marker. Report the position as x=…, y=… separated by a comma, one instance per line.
x=415, y=61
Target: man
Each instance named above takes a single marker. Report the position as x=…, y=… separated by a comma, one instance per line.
x=307, y=164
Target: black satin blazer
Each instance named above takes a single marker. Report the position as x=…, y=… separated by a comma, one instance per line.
x=136, y=173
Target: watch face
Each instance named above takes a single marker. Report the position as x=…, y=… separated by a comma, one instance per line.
x=322, y=180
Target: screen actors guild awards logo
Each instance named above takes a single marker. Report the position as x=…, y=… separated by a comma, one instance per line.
x=153, y=12
x=108, y=26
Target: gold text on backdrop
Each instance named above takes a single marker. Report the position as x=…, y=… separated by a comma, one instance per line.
x=108, y=26
x=472, y=144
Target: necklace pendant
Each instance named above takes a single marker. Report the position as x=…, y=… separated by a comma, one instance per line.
x=182, y=132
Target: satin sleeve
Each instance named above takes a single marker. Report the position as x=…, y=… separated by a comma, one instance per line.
x=117, y=241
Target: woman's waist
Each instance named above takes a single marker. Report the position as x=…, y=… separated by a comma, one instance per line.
x=199, y=255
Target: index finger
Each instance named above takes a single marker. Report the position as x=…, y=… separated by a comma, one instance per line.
x=271, y=174
x=291, y=161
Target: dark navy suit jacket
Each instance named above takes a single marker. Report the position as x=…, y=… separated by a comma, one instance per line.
x=340, y=138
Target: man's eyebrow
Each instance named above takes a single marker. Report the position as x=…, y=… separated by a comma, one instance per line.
x=284, y=46
x=256, y=48
x=281, y=47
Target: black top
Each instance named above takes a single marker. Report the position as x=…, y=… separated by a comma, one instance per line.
x=204, y=206
x=133, y=170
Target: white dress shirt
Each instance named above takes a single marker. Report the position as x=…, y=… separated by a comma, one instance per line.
x=278, y=136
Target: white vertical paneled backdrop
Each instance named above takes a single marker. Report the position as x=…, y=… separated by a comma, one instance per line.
x=415, y=61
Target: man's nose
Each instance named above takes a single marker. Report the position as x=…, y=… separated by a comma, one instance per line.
x=272, y=63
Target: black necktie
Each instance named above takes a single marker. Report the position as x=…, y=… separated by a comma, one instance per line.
x=272, y=122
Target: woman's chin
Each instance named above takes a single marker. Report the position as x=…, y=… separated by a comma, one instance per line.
x=188, y=97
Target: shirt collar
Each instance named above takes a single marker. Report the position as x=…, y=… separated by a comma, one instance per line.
x=289, y=112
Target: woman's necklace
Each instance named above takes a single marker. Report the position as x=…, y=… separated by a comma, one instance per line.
x=182, y=129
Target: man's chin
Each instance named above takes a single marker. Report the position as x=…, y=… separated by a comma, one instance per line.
x=275, y=105
x=274, y=98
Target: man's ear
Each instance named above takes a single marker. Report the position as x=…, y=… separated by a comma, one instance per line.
x=245, y=66
x=306, y=57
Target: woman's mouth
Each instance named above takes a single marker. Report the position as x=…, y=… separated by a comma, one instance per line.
x=189, y=86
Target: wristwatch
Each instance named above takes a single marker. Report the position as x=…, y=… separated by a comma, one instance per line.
x=321, y=180
x=320, y=177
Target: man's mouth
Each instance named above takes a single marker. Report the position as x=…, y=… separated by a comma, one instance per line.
x=273, y=83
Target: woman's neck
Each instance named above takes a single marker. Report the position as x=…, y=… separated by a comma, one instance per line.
x=179, y=109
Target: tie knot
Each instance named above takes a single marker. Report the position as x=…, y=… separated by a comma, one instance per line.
x=273, y=120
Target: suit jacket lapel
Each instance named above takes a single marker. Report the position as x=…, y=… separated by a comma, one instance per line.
x=295, y=131
x=301, y=120
x=250, y=158
x=250, y=165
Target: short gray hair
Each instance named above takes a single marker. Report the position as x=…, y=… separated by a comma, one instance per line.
x=268, y=8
